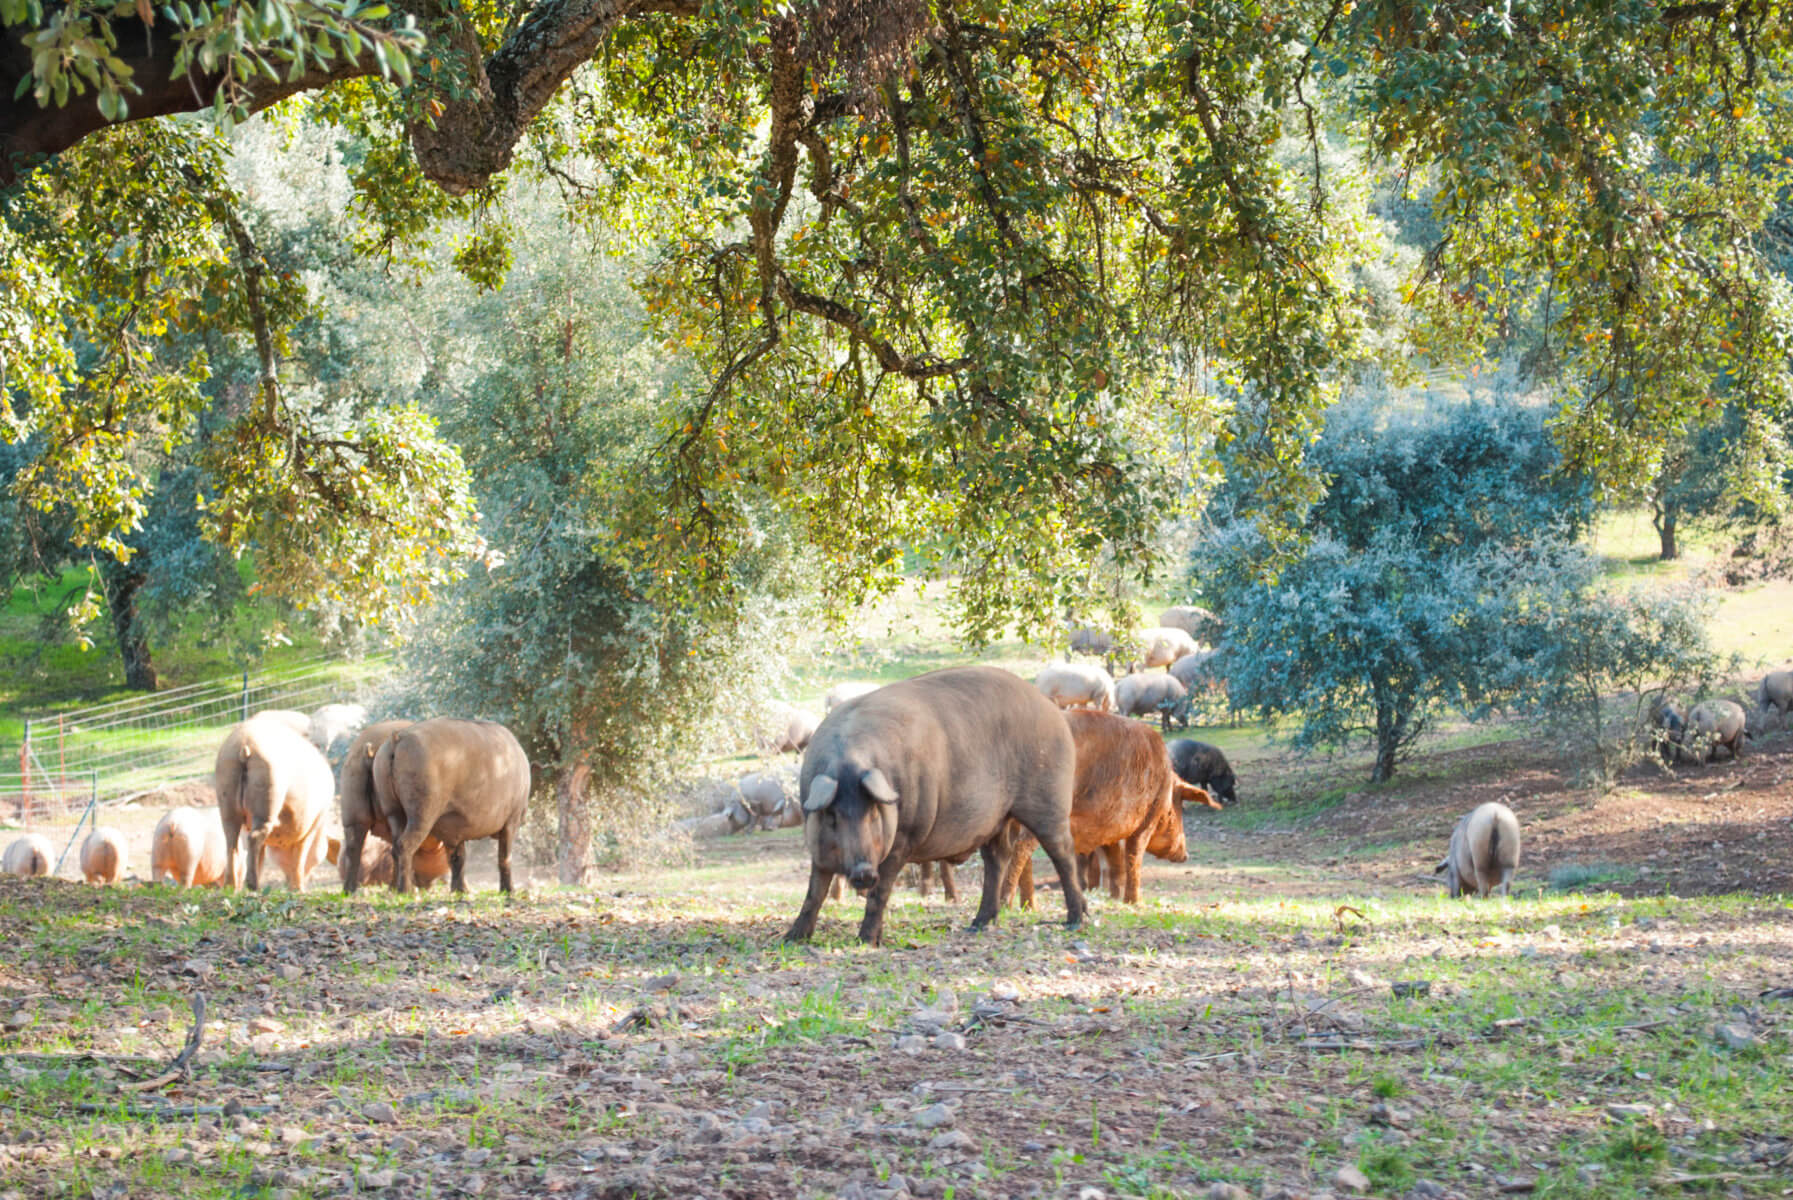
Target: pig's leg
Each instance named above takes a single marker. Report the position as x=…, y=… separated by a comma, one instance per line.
x=838, y=889
x=1116, y=868
x=504, y=860
x=354, y=837
x=871, y=929
x=998, y=857
x=948, y=884
x=457, y=869
x=1135, y=851
x=923, y=872
x=1057, y=844
x=233, y=828
x=820, y=882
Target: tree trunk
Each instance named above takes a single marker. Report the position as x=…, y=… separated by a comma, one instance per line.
x=574, y=810
x=121, y=586
x=1389, y=728
x=1664, y=520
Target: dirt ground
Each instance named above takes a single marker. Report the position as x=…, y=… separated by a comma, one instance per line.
x=1295, y=1011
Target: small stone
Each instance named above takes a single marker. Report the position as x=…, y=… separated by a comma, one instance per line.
x=954, y=1139
x=380, y=1113
x=1394, y=1118
x=912, y=1043
x=949, y=1041
x=1736, y=1037
x=1006, y=992
x=1427, y=1189
x=265, y=1025
x=1589, y=1173
x=763, y=1111
x=1352, y=1180
x=1514, y=1185
x=1360, y=978
x=198, y=967
x=1227, y=1191
x=292, y=1135
x=476, y=1156
x=934, y=1116
x=289, y=971
x=661, y=983
x=18, y=1019
x=379, y=1180
x=1091, y=1193
x=1629, y=1112
x=1033, y=1147
x=946, y=1000
x=929, y=1018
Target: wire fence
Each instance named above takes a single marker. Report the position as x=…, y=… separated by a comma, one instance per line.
x=112, y=753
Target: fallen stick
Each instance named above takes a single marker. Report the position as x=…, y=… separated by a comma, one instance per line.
x=178, y=1068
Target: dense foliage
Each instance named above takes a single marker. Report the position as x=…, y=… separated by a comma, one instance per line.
x=1401, y=603
x=945, y=267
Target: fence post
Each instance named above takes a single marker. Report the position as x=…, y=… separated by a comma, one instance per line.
x=245, y=715
x=25, y=773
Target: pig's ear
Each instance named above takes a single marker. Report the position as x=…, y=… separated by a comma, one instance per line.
x=821, y=793
x=878, y=787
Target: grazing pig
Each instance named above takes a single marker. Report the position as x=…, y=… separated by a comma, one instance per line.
x=1484, y=852
x=1086, y=639
x=1198, y=623
x=1206, y=767
x=1192, y=670
x=1149, y=695
x=187, y=848
x=841, y=693
x=28, y=856
x=1077, y=685
x=1715, y=723
x=430, y=864
x=361, y=816
x=932, y=768
x=1162, y=646
x=789, y=730
x=1126, y=796
x=1776, y=692
x=277, y=787
x=103, y=855
x=458, y=780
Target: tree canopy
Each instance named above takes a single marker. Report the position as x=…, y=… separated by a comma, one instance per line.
x=945, y=267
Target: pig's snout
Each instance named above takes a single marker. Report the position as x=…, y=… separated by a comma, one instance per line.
x=863, y=876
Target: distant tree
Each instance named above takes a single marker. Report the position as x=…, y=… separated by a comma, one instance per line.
x=555, y=390
x=1401, y=597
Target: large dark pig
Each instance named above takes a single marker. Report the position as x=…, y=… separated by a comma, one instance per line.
x=1206, y=767
x=458, y=780
x=361, y=814
x=930, y=769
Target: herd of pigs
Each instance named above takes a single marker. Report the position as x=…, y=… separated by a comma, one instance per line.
x=926, y=771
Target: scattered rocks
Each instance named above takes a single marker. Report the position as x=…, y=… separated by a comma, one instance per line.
x=289, y=971
x=380, y=1113
x=949, y=1041
x=1006, y=992
x=18, y=1019
x=912, y=1043
x=379, y=1180
x=265, y=1025
x=1516, y=1185
x=1360, y=978
x=1629, y=1112
x=1736, y=1037
x=292, y=1135
x=954, y=1139
x=661, y=983
x=476, y=1156
x=934, y=1116
x=1227, y=1191
x=1394, y=1118
x=1351, y=1180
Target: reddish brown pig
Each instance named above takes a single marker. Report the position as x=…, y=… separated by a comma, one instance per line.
x=1126, y=802
x=361, y=816
x=430, y=864
x=457, y=780
x=931, y=768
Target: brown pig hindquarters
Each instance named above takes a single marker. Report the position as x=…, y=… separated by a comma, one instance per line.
x=458, y=781
x=361, y=817
x=929, y=769
x=277, y=787
x=1126, y=801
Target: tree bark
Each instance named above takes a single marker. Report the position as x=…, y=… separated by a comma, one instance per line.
x=1665, y=517
x=121, y=586
x=1389, y=728
x=573, y=808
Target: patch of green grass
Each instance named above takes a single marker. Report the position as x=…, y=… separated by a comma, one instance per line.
x=1582, y=877
x=1387, y=1167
